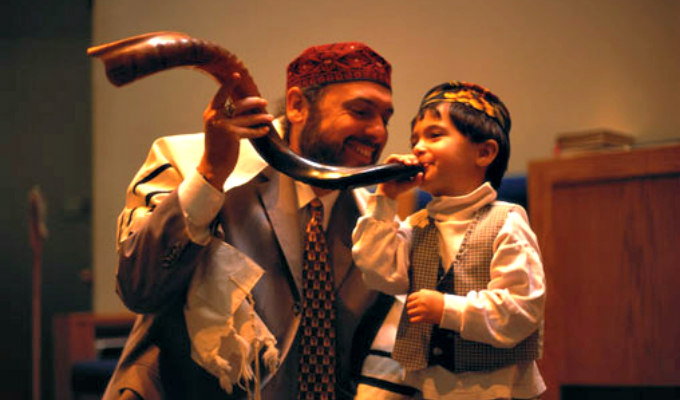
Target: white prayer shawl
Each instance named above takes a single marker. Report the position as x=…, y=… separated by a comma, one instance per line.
x=226, y=334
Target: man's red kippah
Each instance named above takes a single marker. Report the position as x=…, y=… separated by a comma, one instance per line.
x=338, y=62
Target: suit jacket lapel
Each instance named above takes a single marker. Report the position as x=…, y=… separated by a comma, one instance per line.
x=277, y=194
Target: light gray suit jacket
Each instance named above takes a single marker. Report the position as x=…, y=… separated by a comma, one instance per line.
x=259, y=218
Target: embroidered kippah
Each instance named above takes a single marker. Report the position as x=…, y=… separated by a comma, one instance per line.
x=472, y=95
x=338, y=62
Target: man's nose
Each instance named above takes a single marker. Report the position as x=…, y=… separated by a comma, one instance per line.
x=377, y=129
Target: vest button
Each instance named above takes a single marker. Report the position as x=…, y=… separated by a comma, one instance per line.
x=297, y=308
x=437, y=351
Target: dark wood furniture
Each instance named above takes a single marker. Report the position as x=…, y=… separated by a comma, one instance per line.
x=86, y=348
x=609, y=228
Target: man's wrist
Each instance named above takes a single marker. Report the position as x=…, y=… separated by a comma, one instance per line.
x=213, y=177
x=200, y=203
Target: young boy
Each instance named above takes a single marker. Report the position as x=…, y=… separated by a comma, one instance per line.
x=470, y=264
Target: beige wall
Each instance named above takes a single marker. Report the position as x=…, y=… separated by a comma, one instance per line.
x=558, y=65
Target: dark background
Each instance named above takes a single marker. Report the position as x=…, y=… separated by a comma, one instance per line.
x=46, y=141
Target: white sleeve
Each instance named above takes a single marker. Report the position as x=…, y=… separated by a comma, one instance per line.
x=512, y=305
x=200, y=203
x=380, y=246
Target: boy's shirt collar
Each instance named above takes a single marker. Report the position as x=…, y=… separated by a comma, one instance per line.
x=442, y=208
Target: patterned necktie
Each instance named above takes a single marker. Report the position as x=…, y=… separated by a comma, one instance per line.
x=412, y=345
x=317, y=347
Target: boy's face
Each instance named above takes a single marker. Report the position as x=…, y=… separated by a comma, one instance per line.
x=450, y=159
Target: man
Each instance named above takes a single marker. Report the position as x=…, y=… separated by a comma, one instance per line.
x=193, y=189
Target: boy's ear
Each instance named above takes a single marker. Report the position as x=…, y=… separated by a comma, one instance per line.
x=486, y=152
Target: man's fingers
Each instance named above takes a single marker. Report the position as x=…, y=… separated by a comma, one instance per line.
x=252, y=133
x=250, y=105
x=239, y=131
x=253, y=120
x=220, y=98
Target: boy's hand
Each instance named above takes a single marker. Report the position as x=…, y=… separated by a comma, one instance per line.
x=392, y=189
x=425, y=306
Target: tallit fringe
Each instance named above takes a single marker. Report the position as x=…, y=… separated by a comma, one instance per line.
x=250, y=351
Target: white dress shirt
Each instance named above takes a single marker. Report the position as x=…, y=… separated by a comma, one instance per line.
x=502, y=315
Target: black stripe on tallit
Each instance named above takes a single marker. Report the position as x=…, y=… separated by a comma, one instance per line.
x=148, y=197
x=380, y=353
x=151, y=175
x=129, y=217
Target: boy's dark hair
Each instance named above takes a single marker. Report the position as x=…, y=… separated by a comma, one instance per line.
x=479, y=115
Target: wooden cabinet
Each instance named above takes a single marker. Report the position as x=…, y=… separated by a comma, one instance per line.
x=86, y=337
x=609, y=229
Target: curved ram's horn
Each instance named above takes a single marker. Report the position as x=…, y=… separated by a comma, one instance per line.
x=139, y=56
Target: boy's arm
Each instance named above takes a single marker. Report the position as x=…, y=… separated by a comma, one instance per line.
x=511, y=308
x=380, y=247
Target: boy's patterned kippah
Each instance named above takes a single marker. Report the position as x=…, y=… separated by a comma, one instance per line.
x=338, y=62
x=472, y=95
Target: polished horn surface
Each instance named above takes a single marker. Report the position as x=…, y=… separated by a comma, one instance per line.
x=136, y=57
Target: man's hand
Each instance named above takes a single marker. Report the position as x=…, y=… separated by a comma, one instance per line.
x=425, y=306
x=224, y=129
x=392, y=189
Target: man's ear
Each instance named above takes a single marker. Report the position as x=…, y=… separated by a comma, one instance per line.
x=297, y=106
x=297, y=112
x=486, y=152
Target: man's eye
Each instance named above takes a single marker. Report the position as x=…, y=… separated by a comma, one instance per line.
x=360, y=112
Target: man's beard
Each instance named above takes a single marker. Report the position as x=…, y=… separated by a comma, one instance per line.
x=315, y=146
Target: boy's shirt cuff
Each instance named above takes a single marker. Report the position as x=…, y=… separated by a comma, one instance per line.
x=381, y=207
x=200, y=203
x=453, y=312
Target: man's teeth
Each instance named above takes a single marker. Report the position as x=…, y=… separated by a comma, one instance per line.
x=362, y=149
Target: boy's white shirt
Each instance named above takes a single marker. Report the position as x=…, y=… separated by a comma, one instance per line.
x=506, y=312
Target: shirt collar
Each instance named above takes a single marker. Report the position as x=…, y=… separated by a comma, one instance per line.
x=443, y=208
x=305, y=194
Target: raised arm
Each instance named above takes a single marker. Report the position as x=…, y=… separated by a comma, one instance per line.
x=173, y=201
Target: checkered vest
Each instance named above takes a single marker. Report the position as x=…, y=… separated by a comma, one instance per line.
x=470, y=271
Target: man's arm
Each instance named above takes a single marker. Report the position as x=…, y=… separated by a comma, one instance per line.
x=156, y=253
x=170, y=208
